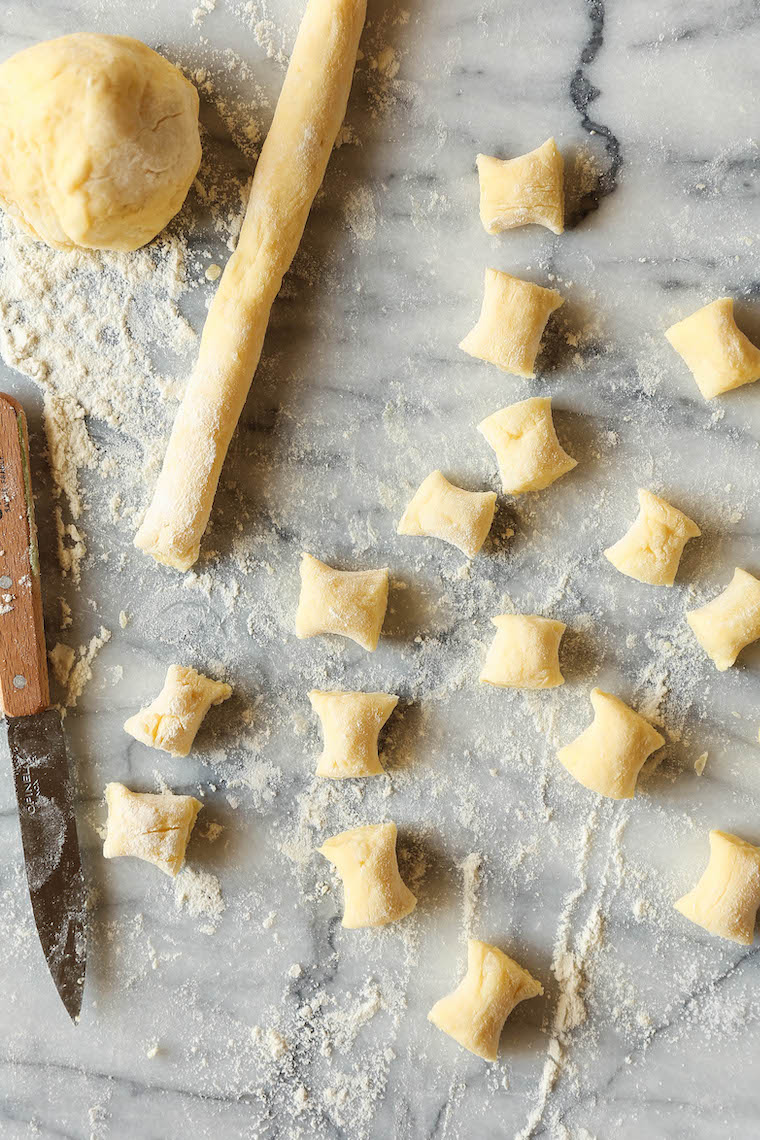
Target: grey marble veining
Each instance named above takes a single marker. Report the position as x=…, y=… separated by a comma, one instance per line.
x=361, y=392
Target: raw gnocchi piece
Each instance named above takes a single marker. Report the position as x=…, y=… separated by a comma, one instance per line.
x=172, y=720
x=729, y=622
x=528, y=452
x=351, y=723
x=351, y=603
x=441, y=510
x=726, y=899
x=511, y=323
x=524, y=190
x=608, y=756
x=155, y=828
x=524, y=654
x=474, y=1014
x=365, y=859
x=651, y=549
x=718, y=354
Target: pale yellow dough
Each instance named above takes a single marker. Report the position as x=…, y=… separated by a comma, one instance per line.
x=351, y=723
x=608, y=756
x=528, y=452
x=99, y=141
x=524, y=653
x=729, y=622
x=172, y=720
x=651, y=549
x=524, y=190
x=155, y=828
x=374, y=892
x=718, y=354
x=441, y=510
x=725, y=901
x=351, y=603
x=511, y=323
x=474, y=1014
x=288, y=174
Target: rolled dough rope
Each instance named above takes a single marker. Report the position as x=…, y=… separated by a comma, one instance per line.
x=288, y=174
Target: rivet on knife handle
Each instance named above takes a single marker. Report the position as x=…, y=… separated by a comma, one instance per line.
x=23, y=663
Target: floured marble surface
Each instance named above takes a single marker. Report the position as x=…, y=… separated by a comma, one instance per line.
x=234, y=1005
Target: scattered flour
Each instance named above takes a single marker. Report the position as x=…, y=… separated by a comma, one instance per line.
x=387, y=62
x=69, y=447
x=199, y=14
x=570, y=962
x=80, y=672
x=61, y=659
x=359, y=209
x=472, y=870
x=200, y=894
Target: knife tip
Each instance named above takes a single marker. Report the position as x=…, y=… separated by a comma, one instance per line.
x=71, y=996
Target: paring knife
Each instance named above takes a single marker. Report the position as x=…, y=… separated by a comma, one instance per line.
x=34, y=731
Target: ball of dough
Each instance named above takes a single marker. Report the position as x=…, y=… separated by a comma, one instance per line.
x=99, y=141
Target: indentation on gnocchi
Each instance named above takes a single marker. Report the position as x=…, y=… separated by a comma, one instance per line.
x=439, y=509
x=511, y=323
x=608, y=756
x=172, y=720
x=730, y=622
x=523, y=191
x=718, y=354
x=350, y=603
x=651, y=549
x=474, y=1014
x=725, y=901
x=529, y=455
x=146, y=826
x=351, y=723
x=524, y=653
x=374, y=892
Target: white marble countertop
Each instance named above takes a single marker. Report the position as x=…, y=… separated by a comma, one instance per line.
x=268, y=1019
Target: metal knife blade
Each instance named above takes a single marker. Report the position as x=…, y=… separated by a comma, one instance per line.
x=51, y=848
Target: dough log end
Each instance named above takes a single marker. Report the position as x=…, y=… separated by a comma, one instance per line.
x=166, y=550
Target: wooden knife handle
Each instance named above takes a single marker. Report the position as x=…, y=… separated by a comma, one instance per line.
x=23, y=659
